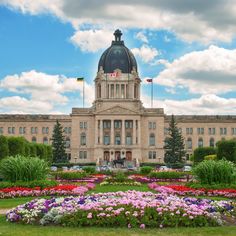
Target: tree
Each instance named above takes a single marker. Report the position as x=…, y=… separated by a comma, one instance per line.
x=58, y=144
x=174, y=145
x=4, y=150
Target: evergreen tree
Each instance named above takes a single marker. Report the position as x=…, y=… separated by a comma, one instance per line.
x=58, y=144
x=174, y=144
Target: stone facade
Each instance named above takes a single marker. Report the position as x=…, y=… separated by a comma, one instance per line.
x=117, y=125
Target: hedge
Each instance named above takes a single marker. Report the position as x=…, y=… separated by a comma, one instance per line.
x=167, y=175
x=4, y=150
x=59, y=165
x=201, y=152
x=227, y=150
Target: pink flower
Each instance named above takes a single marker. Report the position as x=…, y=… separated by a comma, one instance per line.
x=142, y=226
x=129, y=226
x=90, y=215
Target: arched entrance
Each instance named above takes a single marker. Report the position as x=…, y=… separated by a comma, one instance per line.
x=117, y=155
x=129, y=156
x=106, y=156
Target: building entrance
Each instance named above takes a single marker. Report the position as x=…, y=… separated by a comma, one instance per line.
x=107, y=156
x=128, y=156
x=117, y=155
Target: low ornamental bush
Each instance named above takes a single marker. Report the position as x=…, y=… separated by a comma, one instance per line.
x=146, y=170
x=72, y=175
x=215, y=172
x=31, y=184
x=89, y=169
x=166, y=175
x=21, y=168
x=210, y=157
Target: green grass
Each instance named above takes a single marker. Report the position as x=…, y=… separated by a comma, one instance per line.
x=10, y=229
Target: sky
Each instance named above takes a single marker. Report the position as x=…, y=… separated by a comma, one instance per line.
x=188, y=48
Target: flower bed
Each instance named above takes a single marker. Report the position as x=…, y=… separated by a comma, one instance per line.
x=95, y=178
x=183, y=190
x=50, y=191
x=128, y=183
x=128, y=209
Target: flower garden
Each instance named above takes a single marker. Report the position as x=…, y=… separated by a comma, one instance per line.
x=131, y=200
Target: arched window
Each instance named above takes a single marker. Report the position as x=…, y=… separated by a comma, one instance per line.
x=99, y=91
x=212, y=142
x=45, y=140
x=67, y=144
x=83, y=139
x=189, y=143
x=200, y=142
x=34, y=140
x=152, y=139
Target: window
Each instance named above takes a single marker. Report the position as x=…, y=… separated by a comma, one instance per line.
x=67, y=143
x=45, y=140
x=1, y=130
x=212, y=142
x=166, y=131
x=45, y=130
x=122, y=91
x=200, y=130
x=112, y=90
x=106, y=124
x=180, y=130
x=117, y=124
x=22, y=130
x=106, y=139
x=152, y=125
x=34, y=140
x=117, y=139
x=83, y=155
x=82, y=125
x=128, y=140
x=128, y=124
x=200, y=142
x=117, y=90
x=212, y=131
x=223, y=131
x=11, y=130
x=152, y=139
x=34, y=130
x=189, y=130
x=99, y=91
x=189, y=143
x=233, y=130
x=152, y=155
x=83, y=139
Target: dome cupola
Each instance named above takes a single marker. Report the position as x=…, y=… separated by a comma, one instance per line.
x=117, y=56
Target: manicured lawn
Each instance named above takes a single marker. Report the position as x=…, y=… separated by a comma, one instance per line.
x=10, y=229
x=12, y=202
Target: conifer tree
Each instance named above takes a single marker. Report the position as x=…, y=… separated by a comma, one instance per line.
x=58, y=144
x=174, y=145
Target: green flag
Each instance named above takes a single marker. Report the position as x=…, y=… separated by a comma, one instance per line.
x=80, y=79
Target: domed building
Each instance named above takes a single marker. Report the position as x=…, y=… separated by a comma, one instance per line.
x=118, y=125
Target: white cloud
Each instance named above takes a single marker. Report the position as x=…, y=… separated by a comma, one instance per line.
x=208, y=104
x=44, y=91
x=142, y=37
x=146, y=53
x=202, y=72
x=92, y=40
x=191, y=20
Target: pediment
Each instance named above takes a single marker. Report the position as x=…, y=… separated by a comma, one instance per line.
x=118, y=110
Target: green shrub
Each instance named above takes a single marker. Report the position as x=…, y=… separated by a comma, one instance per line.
x=72, y=175
x=215, y=172
x=211, y=186
x=210, y=157
x=33, y=150
x=21, y=168
x=16, y=146
x=119, y=176
x=201, y=152
x=166, y=175
x=227, y=150
x=154, y=164
x=177, y=165
x=89, y=169
x=4, y=150
x=30, y=184
x=146, y=170
x=59, y=165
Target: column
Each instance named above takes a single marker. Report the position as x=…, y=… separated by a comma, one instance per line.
x=112, y=132
x=101, y=132
x=139, y=132
x=134, y=133
x=123, y=133
x=96, y=132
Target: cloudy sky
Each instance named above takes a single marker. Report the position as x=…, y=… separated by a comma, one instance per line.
x=188, y=47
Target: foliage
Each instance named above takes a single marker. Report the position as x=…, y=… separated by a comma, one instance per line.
x=123, y=183
x=174, y=144
x=120, y=176
x=89, y=169
x=4, y=150
x=201, y=152
x=72, y=175
x=227, y=150
x=177, y=165
x=146, y=170
x=166, y=175
x=16, y=146
x=58, y=144
x=59, y=165
x=210, y=157
x=215, y=172
x=21, y=168
x=29, y=184
x=211, y=186
x=154, y=165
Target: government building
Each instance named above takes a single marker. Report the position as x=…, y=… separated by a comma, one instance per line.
x=117, y=125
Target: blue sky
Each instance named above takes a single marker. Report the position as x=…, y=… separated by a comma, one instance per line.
x=188, y=49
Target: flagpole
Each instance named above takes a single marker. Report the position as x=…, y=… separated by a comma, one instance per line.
x=83, y=93
x=152, y=95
